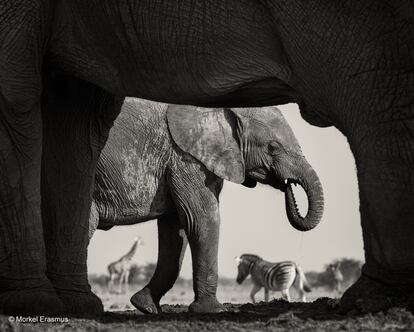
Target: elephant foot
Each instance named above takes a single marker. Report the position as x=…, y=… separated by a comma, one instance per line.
x=144, y=302
x=411, y=303
x=35, y=299
x=368, y=296
x=75, y=293
x=206, y=305
x=81, y=304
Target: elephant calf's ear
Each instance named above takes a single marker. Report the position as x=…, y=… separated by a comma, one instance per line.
x=209, y=135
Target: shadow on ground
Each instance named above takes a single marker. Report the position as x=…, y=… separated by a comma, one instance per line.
x=277, y=315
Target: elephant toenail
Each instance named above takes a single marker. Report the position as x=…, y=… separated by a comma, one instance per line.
x=149, y=309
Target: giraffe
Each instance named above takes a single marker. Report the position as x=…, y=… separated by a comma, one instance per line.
x=120, y=269
x=337, y=276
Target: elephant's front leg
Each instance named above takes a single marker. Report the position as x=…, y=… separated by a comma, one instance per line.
x=385, y=162
x=77, y=117
x=204, y=250
x=195, y=192
x=172, y=243
x=24, y=288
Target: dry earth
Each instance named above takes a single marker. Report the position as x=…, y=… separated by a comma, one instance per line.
x=278, y=315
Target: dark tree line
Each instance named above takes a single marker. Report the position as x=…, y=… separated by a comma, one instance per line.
x=350, y=269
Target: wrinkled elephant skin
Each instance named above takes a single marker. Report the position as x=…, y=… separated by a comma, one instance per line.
x=168, y=162
x=65, y=67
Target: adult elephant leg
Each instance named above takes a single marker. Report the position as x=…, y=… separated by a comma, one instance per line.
x=172, y=243
x=195, y=192
x=77, y=117
x=385, y=164
x=24, y=288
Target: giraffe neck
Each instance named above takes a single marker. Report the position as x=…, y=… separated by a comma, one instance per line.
x=131, y=252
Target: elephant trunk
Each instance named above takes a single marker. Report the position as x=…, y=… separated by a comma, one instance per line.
x=313, y=188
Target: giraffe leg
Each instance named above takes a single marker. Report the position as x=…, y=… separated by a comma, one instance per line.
x=121, y=281
x=126, y=278
x=172, y=243
x=116, y=283
x=111, y=282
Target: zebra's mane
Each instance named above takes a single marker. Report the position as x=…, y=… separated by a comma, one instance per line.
x=251, y=257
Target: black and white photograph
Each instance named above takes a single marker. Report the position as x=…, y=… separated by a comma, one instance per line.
x=206, y=165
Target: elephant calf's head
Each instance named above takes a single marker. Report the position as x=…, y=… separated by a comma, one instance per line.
x=273, y=156
x=245, y=145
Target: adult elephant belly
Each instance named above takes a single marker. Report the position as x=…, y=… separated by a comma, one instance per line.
x=263, y=92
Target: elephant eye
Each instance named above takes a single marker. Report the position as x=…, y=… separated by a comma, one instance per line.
x=273, y=147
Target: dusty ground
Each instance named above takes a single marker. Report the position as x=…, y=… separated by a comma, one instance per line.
x=183, y=294
x=277, y=315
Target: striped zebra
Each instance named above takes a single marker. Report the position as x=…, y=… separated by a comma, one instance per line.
x=272, y=276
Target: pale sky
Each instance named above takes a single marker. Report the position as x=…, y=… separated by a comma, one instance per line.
x=254, y=220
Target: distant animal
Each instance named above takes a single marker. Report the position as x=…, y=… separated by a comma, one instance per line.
x=337, y=277
x=120, y=269
x=278, y=276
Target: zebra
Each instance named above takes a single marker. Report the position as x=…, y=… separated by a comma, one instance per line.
x=272, y=276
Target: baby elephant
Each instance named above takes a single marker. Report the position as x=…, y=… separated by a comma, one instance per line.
x=168, y=162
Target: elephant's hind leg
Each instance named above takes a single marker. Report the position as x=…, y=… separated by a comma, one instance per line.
x=385, y=164
x=172, y=243
x=77, y=117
